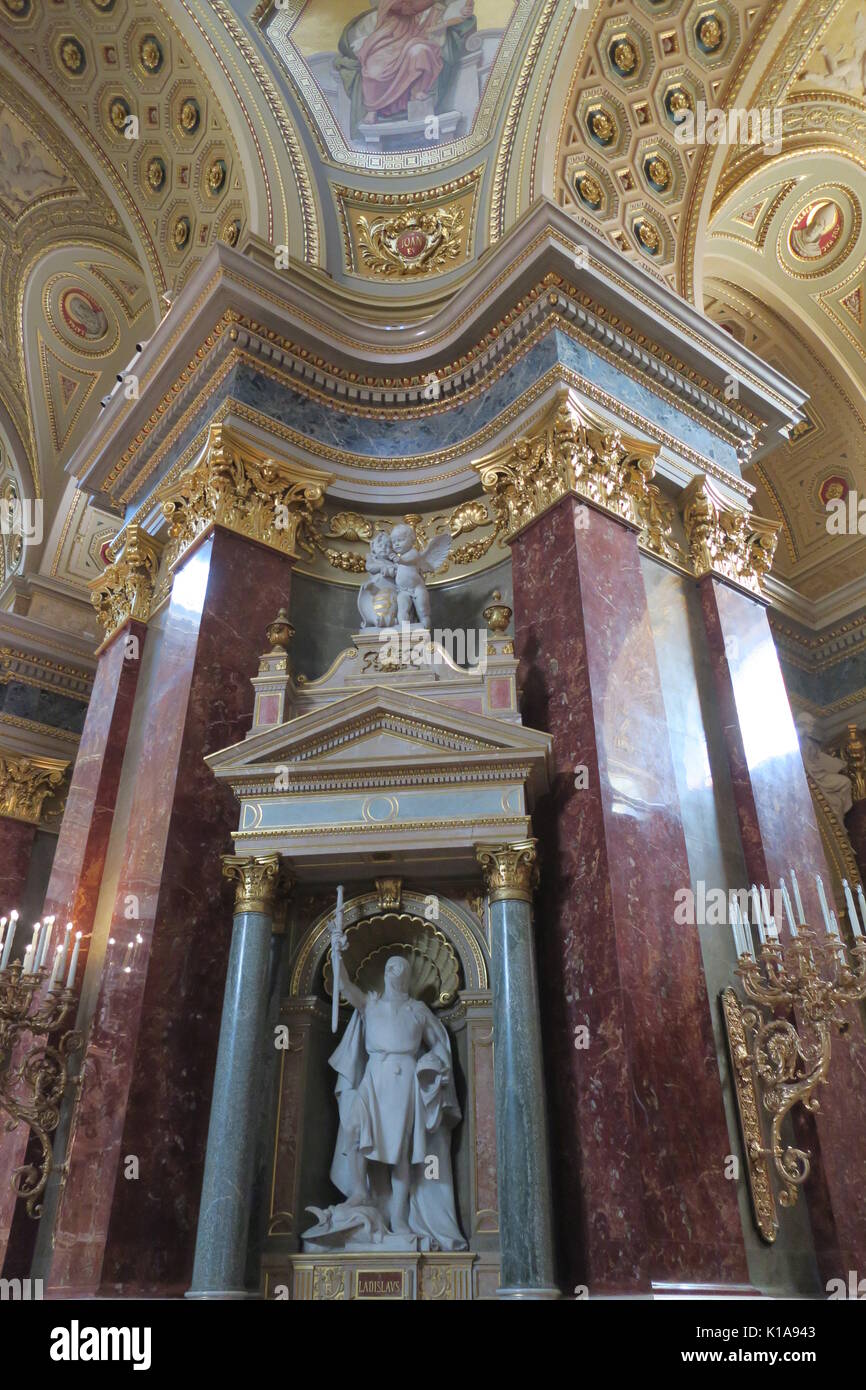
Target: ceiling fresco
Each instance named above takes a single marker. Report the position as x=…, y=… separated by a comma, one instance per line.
x=387, y=146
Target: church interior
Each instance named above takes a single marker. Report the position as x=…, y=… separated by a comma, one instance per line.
x=432, y=649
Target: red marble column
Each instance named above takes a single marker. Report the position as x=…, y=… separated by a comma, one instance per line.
x=16, y=845
x=778, y=831
x=76, y=872
x=152, y=1050
x=639, y=1135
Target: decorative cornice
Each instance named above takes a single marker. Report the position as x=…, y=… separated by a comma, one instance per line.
x=44, y=674
x=26, y=784
x=510, y=871
x=125, y=589
x=723, y=540
x=236, y=485
x=257, y=879
x=572, y=453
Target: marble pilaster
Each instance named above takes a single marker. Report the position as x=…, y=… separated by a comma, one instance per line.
x=778, y=831
x=151, y=1055
x=638, y=1129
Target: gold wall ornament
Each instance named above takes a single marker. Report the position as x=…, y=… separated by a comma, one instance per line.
x=237, y=485
x=26, y=784
x=725, y=540
x=280, y=633
x=510, y=871
x=570, y=452
x=780, y=1045
x=125, y=589
x=257, y=879
x=854, y=752
x=413, y=242
x=389, y=892
x=497, y=615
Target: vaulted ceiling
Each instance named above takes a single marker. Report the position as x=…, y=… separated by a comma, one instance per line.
x=134, y=133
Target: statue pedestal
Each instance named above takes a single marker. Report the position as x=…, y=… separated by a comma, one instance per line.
x=402, y=1275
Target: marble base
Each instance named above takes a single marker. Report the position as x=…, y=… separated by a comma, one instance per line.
x=390, y=1276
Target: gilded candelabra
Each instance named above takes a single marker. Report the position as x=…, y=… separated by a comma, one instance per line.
x=780, y=1044
x=31, y=1088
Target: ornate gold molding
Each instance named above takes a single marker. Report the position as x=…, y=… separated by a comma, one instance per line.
x=237, y=485
x=854, y=752
x=125, y=589
x=389, y=892
x=570, y=452
x=26, y=784
x=257, y=879
x=510, y=871
x=724, y=540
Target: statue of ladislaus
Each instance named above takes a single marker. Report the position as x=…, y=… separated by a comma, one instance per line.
x=398, y=1105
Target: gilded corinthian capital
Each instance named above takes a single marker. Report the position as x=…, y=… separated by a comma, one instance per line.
x=125, y=589
x=26, y=784
x=570, y=452
x=256, y=877
x=723, y=539
x=236, y=485
x=510, y=871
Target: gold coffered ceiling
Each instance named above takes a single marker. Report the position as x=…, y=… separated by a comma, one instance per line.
x=264, y=120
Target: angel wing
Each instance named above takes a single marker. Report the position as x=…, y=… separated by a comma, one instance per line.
x=436, y=553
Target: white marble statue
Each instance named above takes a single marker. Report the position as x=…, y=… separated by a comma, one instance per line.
x=398, y=1105
x=395, y=589
x=828, y=772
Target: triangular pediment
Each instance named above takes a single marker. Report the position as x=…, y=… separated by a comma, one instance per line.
x=377, y=728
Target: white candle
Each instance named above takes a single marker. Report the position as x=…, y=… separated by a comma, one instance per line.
x=46, y=941
x=797, y=899
x=772, y=930
x=66, y=938
x=7, y=946
x=756, y=908
x=735, y=923
x=788, y=910
x=3, y=921
x=852, y=908
x=70, y=979
x=58, y=951
x=834, y=927
x=27, y=954
x=825, y=911
x=862, y=901
x=34, y=943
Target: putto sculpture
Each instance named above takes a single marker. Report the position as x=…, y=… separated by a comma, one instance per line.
x=395, y=590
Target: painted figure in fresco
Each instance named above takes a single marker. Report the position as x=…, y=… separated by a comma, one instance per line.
x=398, y=1105
x=402, y=58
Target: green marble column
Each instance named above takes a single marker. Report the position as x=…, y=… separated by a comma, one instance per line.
x=523, y=1165
x=229, y=1172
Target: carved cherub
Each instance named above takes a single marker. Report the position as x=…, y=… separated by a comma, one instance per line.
x=411, y=564
x=377, y=601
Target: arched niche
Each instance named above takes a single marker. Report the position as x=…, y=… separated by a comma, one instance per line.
x=448, y=949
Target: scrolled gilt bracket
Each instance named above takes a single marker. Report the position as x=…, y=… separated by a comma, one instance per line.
x=238, y=486
x=510, y=871
x=570, y=452
x=26, y=784
x=723, y=540
x=125, y=588
x=258, y=879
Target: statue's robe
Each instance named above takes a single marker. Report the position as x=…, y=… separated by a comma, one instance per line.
x=402, y=1099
